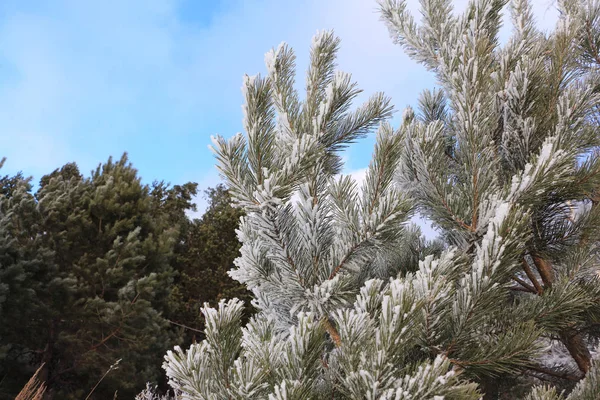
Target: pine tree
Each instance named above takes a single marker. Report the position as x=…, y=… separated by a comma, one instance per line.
x=94, y=263
x=340, y=315
x=24, y=262
x=207, y=249
x=513, y=130
x=316, y=253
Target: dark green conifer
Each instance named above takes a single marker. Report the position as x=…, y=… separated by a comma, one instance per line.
x=90, y=268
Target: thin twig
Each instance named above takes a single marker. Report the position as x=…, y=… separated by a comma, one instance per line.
x=114, y=366
x=185, y=326
x=562, y=375
x=524, y=284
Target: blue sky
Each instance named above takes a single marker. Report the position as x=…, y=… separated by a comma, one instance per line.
x=83, y=80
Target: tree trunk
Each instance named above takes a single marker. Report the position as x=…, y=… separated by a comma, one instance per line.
x=48, y=353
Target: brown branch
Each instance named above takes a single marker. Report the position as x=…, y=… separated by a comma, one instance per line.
x=520, y=289
x=526, y=286
x=341, y=264
x=185, y=326
x=538, y=287
x=133, y=301
x=113, y=333
x=544, y=268
x=454, y=217
x=474, y=217
x=572, y=340
x=577, y=348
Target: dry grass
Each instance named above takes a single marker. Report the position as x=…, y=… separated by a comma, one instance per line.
x=34, y=389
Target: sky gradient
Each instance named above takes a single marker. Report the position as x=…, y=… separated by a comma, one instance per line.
x=83, y=80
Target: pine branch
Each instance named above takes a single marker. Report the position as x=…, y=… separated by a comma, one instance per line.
x=592, y=42
x=185, y=326
x=525, y=285
x=538, y=287
x=348, y=255
x=577, y=348
x=572, y=340
x=544, y=269
x=474, y=217
x=548, y=371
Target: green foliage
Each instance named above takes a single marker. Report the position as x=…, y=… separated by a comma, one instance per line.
x=24, y=264
x=512, y=126
x=313, y=247
x=204, y=255
x=86, y=272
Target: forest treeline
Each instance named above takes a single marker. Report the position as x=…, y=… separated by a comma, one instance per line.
x=104, y=269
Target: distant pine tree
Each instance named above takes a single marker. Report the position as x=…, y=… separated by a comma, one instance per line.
x=88, y=268
x=205, y=254
x=25, y=262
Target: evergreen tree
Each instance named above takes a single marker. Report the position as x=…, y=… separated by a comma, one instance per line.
x=95, y=260
x=174, y=202
x=316, y=253
x=9, y=184
x=24, y=264
x=515, y=127
x=338, y=315
x=207, y=250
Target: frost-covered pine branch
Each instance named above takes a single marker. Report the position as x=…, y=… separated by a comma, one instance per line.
x=513, y=128
x=494, y=158
x=338, y=317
